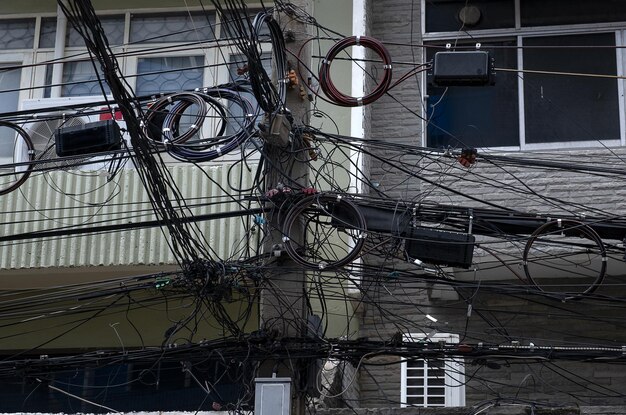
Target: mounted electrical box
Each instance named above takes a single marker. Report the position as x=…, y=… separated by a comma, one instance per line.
x=89, y=138
x=272, y=396
x=439, y=247
x=464, y=68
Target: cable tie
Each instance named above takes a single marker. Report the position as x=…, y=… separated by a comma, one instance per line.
x=285, y=239
x=169, y=99
x=359, y=101
x=219, y=151
x=357, y=40
x=326, y=61
x=605, y=259
x=193, y=127
x=166, y=130
x=31, y=152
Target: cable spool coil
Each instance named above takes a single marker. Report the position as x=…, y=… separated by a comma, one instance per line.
x=331, y=90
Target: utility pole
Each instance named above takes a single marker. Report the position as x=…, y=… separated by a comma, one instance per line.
x=283, y=306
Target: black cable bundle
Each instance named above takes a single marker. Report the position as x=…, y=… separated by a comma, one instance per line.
x=245, y=36
x=179, y=144
x=154, y=175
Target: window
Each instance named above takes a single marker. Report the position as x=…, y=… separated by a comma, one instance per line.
x=172, y=28
x=542, y=97
x=432, y=382
x=570, y=108
x=165, y=52
x=445, y=15
x=237, y=71
x=17, y=34
x=113, y=28
x=491, y=120
x=80, y=79
x=169, y=74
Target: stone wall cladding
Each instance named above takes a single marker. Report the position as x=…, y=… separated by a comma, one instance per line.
x=392, y=22
x=506, y=186
x=496, y=410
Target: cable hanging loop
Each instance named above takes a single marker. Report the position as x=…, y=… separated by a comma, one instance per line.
x=331, y=90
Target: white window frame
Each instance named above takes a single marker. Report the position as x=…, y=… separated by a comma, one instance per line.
x=519, y=33
x=216, y=70
x=454, y=383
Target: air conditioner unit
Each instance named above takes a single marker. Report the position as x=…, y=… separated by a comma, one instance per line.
x=50, y=114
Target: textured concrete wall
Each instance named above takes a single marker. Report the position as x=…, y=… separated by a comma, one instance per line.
x=496, y=410
x=391, y=121
x=401, y=307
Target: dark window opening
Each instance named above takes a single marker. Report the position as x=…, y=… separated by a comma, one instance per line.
x=560, y=108
x=485, y=116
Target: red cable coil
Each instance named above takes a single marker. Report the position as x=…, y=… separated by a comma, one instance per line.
x=345, y=100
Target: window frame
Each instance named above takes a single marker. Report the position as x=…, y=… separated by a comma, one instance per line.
x=454, y=373
x=33, y=79
x=520, y=33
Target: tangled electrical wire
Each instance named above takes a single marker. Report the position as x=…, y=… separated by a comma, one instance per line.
x=170, y=111
x=354, y=249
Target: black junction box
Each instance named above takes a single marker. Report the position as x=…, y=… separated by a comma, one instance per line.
x=89, y=138
x=464, y=68
x=439, y=247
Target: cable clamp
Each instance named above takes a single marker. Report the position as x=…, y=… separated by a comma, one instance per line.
x=31, y=152
x=285, y=239
x=193, y=127
x=623, y=350
x=605, y=259
x=169, y=98
x=326, y=61
x=165, y=130
x=388, y=66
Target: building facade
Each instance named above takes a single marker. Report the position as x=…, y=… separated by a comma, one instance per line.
x=557, y=63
